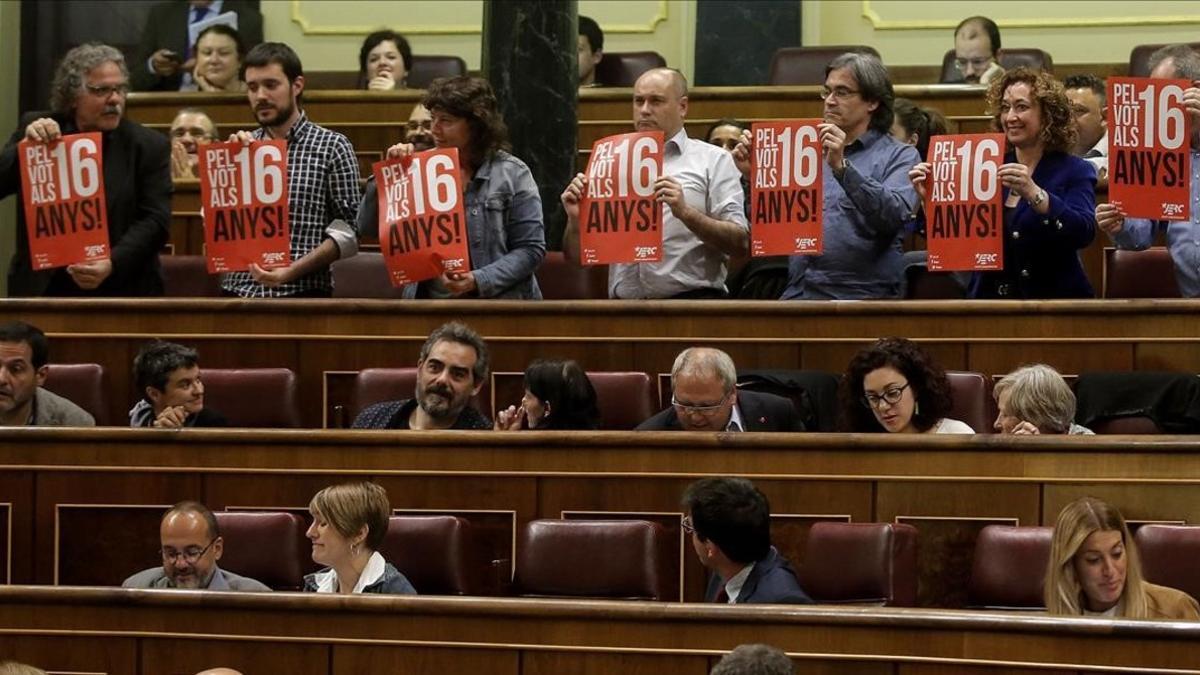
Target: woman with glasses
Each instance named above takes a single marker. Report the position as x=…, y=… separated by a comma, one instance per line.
x=1095, y=571
x=558, y=395
x=349, y=524
x=895, y=386
x=1049, y=195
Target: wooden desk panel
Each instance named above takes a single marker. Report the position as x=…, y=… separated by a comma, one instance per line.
x=339, y=635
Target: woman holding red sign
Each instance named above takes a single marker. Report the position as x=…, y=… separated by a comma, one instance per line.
x=505, y=232
x=1048, y=193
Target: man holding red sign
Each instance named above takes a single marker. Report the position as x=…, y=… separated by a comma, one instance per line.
x=322, y=181
x=134, y=163
x=703, y=221
x=1175, y=62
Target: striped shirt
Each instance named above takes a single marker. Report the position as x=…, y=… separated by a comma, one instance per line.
x=322, y=187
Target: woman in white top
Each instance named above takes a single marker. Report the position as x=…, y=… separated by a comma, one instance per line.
x=895, y=386
x=349, y=524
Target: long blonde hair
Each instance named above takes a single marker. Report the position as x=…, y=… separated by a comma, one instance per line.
x=1076, y=522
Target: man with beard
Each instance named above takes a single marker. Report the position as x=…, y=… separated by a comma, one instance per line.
x=24, y=352
x=419, y=130
x=88, y=94
x=323, y=188
x=452, y=367
x=168, y=375
x=191, y=546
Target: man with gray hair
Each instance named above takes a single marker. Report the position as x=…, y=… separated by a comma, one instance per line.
x=452, y=367
x=1183, y=236
x=754, y=659
x=88, y=94
x=1034, y=400
x=705, y=397
x=866, y=192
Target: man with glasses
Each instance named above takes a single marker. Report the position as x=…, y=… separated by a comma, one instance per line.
x=190, y=129
x=88, y=94
x=191, y=546
x=418, y=130
x=976, y=42
x=705, y=398
x=729, y=521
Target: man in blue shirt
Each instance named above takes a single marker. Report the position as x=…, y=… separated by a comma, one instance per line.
x=1183, y=236
x=867, y=195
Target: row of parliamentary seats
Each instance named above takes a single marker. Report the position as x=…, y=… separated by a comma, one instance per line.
x=894, y=385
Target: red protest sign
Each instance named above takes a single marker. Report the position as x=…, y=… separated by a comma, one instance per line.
x=786, y=193
x=964, y=216
x=244, y=194
x=1149, y=162
x=422, y=225
x=619, y=219
x=65, y=210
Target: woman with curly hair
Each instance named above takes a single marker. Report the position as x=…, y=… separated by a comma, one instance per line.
x=895, y=386
x=1049, y=194
x=1095, y=571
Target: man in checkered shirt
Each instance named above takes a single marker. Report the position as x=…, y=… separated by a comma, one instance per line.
x=323, y=192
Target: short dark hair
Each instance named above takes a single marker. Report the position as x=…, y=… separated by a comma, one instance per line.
x=591, y=30
x=473, y=99
x=374, y=40
x=733, y=514
x=19, y=331
x=191, y=506
x=464, y=335
x=926, y=380
x=229, y=32
x=874, y=84
x=263, y=55
x=754, y=659
x=988, y=26
x=725, y=122
x=155, y=362
x=565, y=387
x=1088, y=82
x=924, y=122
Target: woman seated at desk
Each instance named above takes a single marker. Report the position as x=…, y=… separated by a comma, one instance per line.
x=349, y=524
x=895, y=386
x=384, y=61
x=219, y=53
x=558, y=395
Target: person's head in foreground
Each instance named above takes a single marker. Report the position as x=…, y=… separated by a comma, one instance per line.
x=754, y=659
x=349, y=524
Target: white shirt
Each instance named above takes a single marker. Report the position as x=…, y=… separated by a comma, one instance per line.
x=327, y=582
x=712, y=185
x=733, y=587
x=949, y=426
x=735, y=420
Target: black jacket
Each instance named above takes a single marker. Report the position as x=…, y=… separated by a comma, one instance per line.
x=166, y=28
x=771, y=581
x=137, y=194
x=760, y=412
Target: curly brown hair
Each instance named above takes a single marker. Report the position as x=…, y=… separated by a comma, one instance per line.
x=471, y=98
x=926, y=379
x=1058, y=125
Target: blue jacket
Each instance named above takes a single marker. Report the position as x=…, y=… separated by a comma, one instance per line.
x=1041, y=252
x=771, y=581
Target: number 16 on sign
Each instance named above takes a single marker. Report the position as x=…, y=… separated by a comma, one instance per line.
x=786, y=188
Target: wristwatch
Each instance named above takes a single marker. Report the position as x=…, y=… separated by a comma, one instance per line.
x=1038, y=198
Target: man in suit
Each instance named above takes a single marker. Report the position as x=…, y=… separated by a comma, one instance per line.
x=730, y=523
x=191, y=546
x=705, y=398
x=164, y=56
x=88, y=95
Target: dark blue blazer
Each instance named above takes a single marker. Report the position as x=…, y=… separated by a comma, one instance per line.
x=771, y=581
x=1041, y=252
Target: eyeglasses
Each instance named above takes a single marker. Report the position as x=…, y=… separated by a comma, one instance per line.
x=190, y=555
x=891, y=396
x=839, y=93
x=705, y=410
x=194, y=132
x=976, y=64
x=687, y=525
x=104, y=91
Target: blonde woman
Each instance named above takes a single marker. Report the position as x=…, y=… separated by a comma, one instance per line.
x=1036, y=400
x=349, y=524
x=1095, y=571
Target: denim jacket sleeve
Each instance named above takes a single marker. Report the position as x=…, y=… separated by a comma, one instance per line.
x=511, y=208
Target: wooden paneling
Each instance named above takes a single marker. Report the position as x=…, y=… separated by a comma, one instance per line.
x=357, y=660
x=108, y=655
x=189, y=656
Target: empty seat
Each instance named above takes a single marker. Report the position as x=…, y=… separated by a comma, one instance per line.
x=1009, y=568
x=622, y=69
x=186, y=276
x=971, y=400
x=83, y=384
x=375, y=385
x=268, y=546
x=253, y=397
x=595, y=559
x=813, y=392
x=1139, y=274
x=560, y=279
x=1111, y=402
x=1139, y=58
x=625, y=399
x=1009, y=58
x=363, y=276
x=861, y=563
x=806, y=65
x=438, y=554
x=921, y=284
x=428, y=67
x=1169, y=554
